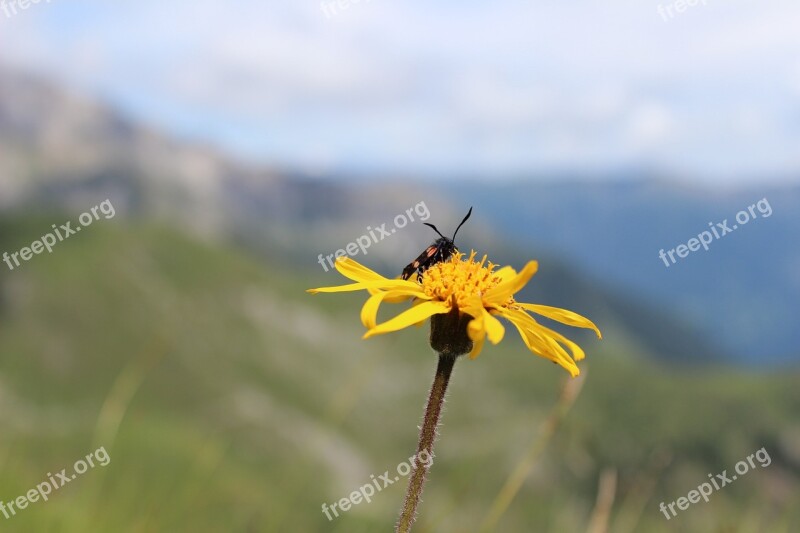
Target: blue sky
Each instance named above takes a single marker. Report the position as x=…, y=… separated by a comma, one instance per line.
x=478, y=88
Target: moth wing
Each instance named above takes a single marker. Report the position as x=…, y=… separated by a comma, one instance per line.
x=423, y=258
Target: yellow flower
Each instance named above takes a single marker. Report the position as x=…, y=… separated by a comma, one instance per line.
x=473, y=289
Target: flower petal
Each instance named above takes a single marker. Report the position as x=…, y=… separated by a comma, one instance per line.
x=577, y=351
x=563, y=358
x=538, y=343
x=416, y=302
x=477, y=347
x=494, y=329
x=409, y=317
x=562, y=315
x=500, y=294
x=476, y=329
x=397, y=296
x=366, y=279
x=384, y=285
x=369, y=311
x=352, y=269
x=505, y=273
x=474, y=308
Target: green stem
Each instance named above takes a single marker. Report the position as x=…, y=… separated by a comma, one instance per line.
x=427, y=437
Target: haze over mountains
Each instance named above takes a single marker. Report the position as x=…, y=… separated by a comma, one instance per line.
x=58, y=150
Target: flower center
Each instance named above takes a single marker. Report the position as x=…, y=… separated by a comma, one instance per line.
x=458, y=279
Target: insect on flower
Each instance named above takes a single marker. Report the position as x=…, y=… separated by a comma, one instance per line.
x=439, y=251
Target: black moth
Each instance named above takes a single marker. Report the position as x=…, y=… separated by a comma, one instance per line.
x=439, y=251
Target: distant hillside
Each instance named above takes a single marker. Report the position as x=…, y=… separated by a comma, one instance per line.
x=228, y=399
x=60, y=149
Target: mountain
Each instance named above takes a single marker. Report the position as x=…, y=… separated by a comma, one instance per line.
x=62, y=149
x=67, y=152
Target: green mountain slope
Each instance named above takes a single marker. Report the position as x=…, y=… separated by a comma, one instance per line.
x=230, y=400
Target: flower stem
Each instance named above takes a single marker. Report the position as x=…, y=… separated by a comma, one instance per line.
x=427, y=437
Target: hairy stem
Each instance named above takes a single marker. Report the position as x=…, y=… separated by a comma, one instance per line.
x=427, y=437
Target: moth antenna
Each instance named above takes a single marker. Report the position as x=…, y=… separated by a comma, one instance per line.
x=434, y=229
x=462, y=223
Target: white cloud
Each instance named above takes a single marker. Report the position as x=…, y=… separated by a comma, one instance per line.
x=446, y=86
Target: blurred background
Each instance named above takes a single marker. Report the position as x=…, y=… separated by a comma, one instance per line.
x=242, y=144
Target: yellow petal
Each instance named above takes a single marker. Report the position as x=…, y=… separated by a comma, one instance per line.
x=474, y=307
x=500, y=294
x=419, y=301
x=577, y=352
x=354, y=270
x=562, y=315
x=552, y=350
x=369, y=311
x=396, y=299
x=384, y=285
x=366, y=279
x=409, y=317
x=539, y=344
x=494, y=329
x=505, y=273
x=477, y=346
x=476, y=328
x=399, y=296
